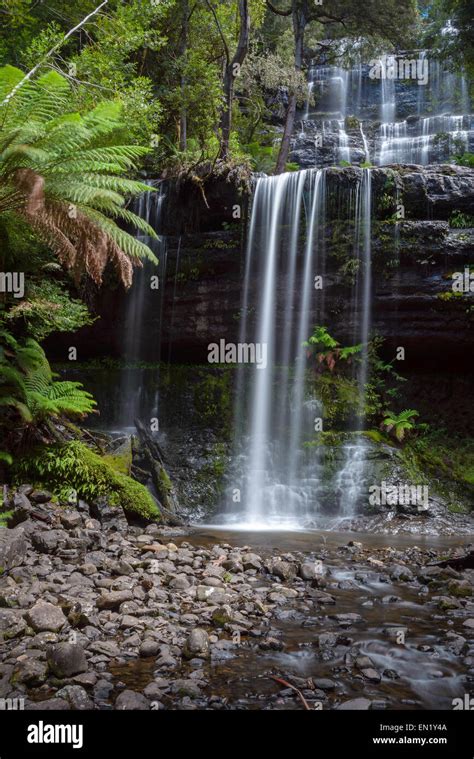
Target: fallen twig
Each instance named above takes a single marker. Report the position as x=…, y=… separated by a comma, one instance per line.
x=293, y=687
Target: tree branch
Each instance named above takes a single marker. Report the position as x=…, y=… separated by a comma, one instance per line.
x=278, y=11
x=221, y=33
x=50, y=53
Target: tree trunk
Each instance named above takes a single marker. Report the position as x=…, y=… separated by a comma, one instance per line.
x=183, y=118
x=299, y=25
x=231, y=71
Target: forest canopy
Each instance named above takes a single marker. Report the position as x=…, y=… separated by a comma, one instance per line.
x=195, y=79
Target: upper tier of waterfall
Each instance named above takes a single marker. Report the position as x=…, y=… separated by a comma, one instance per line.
x=353, y=116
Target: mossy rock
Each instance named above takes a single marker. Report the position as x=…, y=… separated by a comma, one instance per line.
x=74, y=466
x=121, y=458
x=460, y=589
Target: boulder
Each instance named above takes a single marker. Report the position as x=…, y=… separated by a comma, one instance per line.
x=197, y=644
x=130, y=700
x=45, y=616
x=13, y=547
x=66, y=659
x=48, y=541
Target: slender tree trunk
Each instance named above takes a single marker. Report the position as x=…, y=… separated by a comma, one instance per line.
x=231, y=71
x=299, y=25
x=183, y=118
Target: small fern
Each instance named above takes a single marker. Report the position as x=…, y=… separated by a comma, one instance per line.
x=29, y=392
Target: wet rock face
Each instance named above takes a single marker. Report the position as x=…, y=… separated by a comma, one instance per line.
x=232, y=636
x=412, y=263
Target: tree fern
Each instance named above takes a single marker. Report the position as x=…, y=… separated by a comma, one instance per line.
x=63, y=173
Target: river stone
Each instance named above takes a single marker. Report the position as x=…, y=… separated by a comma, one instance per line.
x=105, y=647
x=400, y=573
x=112, y=518
x=47, y=541
x=71, y=519
x=12, y=624
x=180, y=582
x=45, y=616
x=40, y=496
x=203, y=592
x=13, y=547
x=30, y=671
x=345, y=620
x=309, y=570
x=50, y=705
x=446, y=603
x=325, y=684
x=149, y=648
x=197, y=644
x=114, y=599
x=469, y=623
x=371, y=674
x=251, y=561
x=186, y=688
x=282, y=569
x=153, y=691
x=76, y=696
x=130, y=700
x=363, y=662
x=328, y=639
x=22, y=508
x=66, y=659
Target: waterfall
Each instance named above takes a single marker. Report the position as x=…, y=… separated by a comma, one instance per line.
x=273, y=200
x=442, y=126
x=280, y=479
x=422, y=121
x=275, y=489
x=142, y=325
x=349, y=480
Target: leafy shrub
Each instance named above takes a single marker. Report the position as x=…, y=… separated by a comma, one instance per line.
x=48, y=308
x=460, y=220
x=328, y=351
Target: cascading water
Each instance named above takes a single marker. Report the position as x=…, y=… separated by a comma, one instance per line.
x=427, y=138
x=281, y=479
x=143, y=318
x=357, y=118
x=349, y=480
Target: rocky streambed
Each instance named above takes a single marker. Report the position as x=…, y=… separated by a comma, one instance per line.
x=98, y=614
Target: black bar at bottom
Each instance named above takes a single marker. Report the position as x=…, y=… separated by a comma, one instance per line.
x=397, y=733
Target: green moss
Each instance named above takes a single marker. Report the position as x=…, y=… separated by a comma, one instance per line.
x=121, y=459
x=459, y=590
x=446, y=464
x=213, y=399
x=376, y=436
x=74, y=466
x=165, y=481
x=449, y=295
